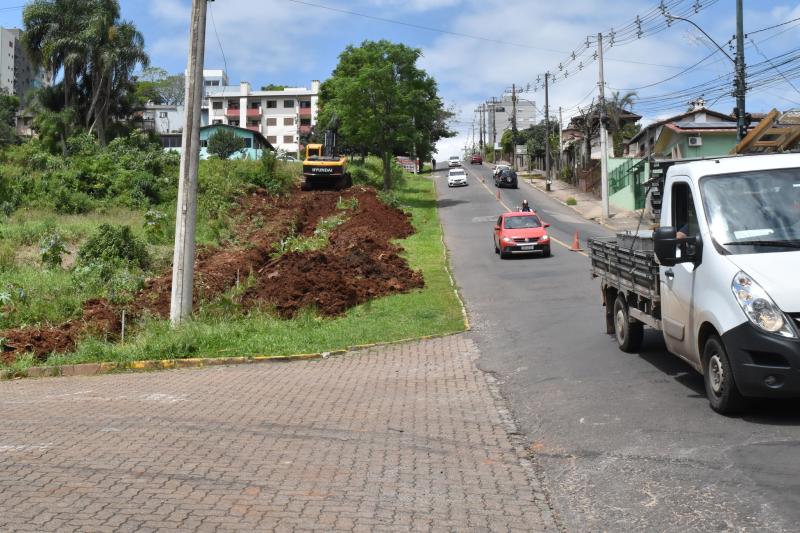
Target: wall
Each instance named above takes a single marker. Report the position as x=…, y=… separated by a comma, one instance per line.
x=713, y=145
x=624, y=199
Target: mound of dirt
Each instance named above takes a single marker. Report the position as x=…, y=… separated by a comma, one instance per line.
x=360, y=263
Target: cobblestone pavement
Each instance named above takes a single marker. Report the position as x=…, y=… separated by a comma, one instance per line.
x=407, y=437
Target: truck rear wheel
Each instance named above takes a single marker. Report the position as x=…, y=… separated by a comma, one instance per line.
x=628, y=332
x=721, y=389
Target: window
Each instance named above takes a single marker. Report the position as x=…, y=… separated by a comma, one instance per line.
x=214, y=83
x=207, y=83
x=272, y=139
x=288, y=103
x=233, y=104
x=216, y=121
x=272, y=121
x=684, y=216
x=523, y=222
x=248, y=143
x=234, y=123
x=305, y=104
x=203, y=143
x=272, y=104
x=288, y=121
x=216, y=105
x=288, y=139
x=162, y=114
x=305, y=121
x=255, y=105
x=253, y=122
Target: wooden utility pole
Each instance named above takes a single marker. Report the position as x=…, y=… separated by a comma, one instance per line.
x=560, y=140
x=603, y=135
x=547, y=131
x=493, y=108
x=186, y=216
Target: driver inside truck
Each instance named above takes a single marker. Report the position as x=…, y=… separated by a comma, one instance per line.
x=684, y=216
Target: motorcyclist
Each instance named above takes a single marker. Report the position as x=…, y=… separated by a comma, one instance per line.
x=525, y=207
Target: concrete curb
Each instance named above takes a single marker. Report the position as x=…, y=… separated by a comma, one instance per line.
x=96, y=369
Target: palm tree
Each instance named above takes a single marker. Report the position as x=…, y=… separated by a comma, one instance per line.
x=114, y=59
x=616, y=107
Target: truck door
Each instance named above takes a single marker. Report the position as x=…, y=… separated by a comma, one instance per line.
x=678, y=282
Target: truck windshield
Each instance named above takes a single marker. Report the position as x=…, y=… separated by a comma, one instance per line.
x=754, y=212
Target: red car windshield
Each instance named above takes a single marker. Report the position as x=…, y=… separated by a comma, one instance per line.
x=523, y=222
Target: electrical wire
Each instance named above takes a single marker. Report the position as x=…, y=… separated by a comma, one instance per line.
x=772, y=27
x=425, y=28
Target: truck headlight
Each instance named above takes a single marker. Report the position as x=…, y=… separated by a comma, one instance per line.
x=759, y=307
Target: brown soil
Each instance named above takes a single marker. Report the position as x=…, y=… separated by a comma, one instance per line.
x=359, y=264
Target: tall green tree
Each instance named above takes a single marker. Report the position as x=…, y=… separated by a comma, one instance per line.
x=224, y=143
x=97, y=54
x=616, y=107
x=384, y=102
x=9, y=105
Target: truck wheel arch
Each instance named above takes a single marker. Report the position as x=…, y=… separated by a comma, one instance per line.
x=707, y=330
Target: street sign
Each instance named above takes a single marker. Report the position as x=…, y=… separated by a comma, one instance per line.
x=521, y=149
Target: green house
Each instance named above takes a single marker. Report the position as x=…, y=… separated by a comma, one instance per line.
x=254, y=142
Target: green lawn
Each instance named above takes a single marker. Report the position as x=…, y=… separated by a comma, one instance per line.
x=429, y=311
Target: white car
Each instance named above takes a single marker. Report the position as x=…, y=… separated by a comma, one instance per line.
x=454, y=161
x=457, y=177
x=500, y=167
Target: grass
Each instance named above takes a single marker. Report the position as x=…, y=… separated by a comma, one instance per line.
x=432, y=310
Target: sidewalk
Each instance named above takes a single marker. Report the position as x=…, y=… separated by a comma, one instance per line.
x=410, y=437
x=588, y=205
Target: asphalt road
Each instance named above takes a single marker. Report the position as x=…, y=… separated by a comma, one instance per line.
x=625, y=442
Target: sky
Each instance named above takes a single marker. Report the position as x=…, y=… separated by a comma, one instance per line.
x=476, y=49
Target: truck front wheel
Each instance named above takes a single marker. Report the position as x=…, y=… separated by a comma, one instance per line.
x=723, y=395
x=628, y=332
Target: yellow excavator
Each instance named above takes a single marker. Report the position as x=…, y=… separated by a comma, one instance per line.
x=323, y=168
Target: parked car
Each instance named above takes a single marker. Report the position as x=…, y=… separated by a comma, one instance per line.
x=476, y=159
x=499, y=167
x=454, y=161
x=457, y=177
x=506, y=178
x=520, y=232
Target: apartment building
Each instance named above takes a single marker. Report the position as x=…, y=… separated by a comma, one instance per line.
x=283, y=117
x=500, y=112
x=17, y=73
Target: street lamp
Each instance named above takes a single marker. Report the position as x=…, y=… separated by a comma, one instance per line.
x=741, y=123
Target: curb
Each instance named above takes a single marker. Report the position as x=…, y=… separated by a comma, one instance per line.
x=96, y=369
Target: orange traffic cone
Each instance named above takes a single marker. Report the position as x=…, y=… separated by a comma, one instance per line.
x=576, y=243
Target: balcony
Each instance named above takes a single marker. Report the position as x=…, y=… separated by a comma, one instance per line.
x=304, y=130
x=255, y=128
x=305, y=112
x=254, y=112
x=233, y=112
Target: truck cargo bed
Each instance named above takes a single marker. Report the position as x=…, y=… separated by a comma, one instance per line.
x=625, y=267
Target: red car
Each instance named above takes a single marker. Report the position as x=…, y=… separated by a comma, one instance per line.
x=476, y=159
x=520, y=232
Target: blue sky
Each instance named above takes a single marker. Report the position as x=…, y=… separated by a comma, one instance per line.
x=287, y=42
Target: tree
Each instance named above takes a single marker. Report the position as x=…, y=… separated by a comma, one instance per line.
x=616, y=108
x=385, y=104
x=9, y=105
x=273, y=87
x=157, y=86
x=97, y=53
x=224, y=143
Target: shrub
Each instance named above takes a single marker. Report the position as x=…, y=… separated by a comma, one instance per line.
x=571, y=201
x=224, y=143
x=71, y=202
x=51, y=248
x=156, y=226
x=115, y=279
x=7, y=256
x=113, y=244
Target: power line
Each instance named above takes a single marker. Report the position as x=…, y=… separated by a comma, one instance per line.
x=773, y=27
x=425, y=28
x=219, y=41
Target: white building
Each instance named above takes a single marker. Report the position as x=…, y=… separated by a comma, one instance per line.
x=500, y=113
x=280, y=116
x=17, y=73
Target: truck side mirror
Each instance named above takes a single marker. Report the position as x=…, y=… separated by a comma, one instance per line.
x=665, y=245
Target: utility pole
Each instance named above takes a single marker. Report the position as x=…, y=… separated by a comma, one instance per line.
x=483, y=131
x=493, y=108
x=547, y=131
x=741, y=85
x=514, y=126
x=603, y=137
x=186, y=216
x=560, y=139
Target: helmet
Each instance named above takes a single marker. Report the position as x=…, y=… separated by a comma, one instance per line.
x=525, y=202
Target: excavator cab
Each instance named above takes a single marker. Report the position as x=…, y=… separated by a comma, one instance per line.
x=314, y=151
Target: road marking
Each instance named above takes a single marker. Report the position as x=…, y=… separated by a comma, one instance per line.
x=501, y=202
